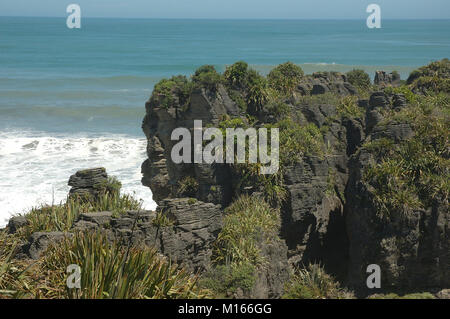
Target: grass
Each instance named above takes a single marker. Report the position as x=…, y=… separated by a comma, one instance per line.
x=188, y=187
x=422, y=295
x=162, y=220
x=247, y=222
x=411, y=174
x=225, y=280
x=348, y=107
x=313, y=282
x=61, y=217
x=111, y=271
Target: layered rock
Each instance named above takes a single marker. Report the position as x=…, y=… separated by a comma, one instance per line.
x=384, y=79
x=89, y=183
x=328, y=216
x=160, y=173
x=323, y=82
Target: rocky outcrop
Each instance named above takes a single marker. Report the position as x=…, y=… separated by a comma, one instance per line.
x=39, y=242
x=181, y=230
x=15, y=223
x=323, y=82
x=160, y=173
x=328, y=216
x=384, y=79
x=89, y=183
x=411, y=248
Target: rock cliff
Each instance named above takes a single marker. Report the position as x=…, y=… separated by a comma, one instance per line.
x=328, y=213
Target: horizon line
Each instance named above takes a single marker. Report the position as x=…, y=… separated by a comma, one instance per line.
x=179, y=18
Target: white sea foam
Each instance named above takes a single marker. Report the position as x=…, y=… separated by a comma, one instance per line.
x=35, y=167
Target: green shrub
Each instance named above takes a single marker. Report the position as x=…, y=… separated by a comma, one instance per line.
x=314, y=283
x=285, y=77
x=247, y=222
x=359, y=78
x=162, y=220
x=225, y=280
x=440, y=69
x=405, y=90
x=257, y=94
x=188, y=187
x=236, y=75
x=207, y=77
x=110, y=271
x=168, y=90
x=298, y=140
x=410, y=174
x=422, y=295
x=348, y=107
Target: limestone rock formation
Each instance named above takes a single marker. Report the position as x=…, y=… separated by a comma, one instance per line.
x=329, y=214
x=89, y=183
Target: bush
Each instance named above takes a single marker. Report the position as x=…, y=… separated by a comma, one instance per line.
x=314, y=283
x=168, y=89
x=247, y=222
x=410, y=174
x=236, y=75
x=422, y=295
x=225, y=280
x=440, y=69
x=285, y=77
x=188, y=187
x=359, y=78
x=257, y=93
x=207, y=77
x=348, y=107
x=298, y=140
x=110, y=271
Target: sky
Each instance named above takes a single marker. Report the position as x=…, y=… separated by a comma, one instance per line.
x=231, y=9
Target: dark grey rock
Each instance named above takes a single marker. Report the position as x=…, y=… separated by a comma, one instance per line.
x=89, y=183
x=15, y=223
x=39, y=242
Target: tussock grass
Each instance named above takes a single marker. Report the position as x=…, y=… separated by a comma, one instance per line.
x=411, y=174
x=112, y=271
x=313, y=282
x=248, y=221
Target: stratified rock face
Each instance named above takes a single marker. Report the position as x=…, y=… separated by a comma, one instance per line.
x=187, y=239
x=413, y=249
x=88, y=183
x=328, y=215
x=323, y=82
x=383, y=79
x=159, y=171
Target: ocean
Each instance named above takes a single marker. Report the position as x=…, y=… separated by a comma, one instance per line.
x=74, y=98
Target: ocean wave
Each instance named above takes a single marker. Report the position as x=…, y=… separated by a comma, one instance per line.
x=76, y=112
x=36, y=166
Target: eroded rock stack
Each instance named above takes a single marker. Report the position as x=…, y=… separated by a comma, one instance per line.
x=89, y=183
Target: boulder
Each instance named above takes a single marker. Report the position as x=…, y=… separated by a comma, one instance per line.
x=15, y=223
x=39, y=242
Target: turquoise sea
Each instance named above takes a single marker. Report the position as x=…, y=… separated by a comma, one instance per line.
x=74, y=98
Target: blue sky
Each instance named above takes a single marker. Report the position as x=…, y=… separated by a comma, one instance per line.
x=278, y=9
